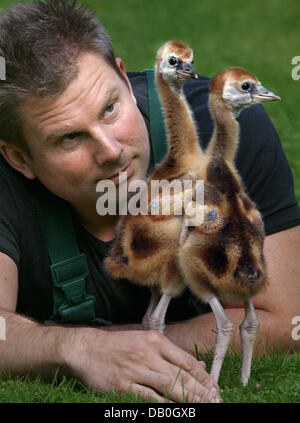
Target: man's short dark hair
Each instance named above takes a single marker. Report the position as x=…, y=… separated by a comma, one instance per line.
x=41, y=42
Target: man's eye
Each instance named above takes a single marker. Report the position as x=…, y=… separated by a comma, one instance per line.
x=71, y=137
x=109, y=109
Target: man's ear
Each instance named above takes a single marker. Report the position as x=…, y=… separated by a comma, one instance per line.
x=17, y=158
x=121, y=66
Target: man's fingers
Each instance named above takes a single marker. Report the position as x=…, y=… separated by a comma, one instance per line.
x=202, y=364
x=195, y=390
x=192, y=370
x=187, y=362
x=147, y=393
x=177, y=385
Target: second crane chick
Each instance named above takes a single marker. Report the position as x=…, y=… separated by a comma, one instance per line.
x=222, y=257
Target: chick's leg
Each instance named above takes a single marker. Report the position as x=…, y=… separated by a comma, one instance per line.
x=248, y=332
x=225, y=329
x=155, y=296
x=156, y=311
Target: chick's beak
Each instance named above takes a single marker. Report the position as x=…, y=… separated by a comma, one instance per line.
x=262, y=94
x=186, y=70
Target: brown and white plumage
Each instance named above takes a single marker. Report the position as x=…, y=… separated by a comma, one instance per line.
x=222, y=257
x=145, y=248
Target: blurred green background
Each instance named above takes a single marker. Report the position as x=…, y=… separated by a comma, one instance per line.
x=260, y=35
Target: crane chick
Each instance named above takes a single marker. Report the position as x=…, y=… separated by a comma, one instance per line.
x=222, y=257
x=146, y=245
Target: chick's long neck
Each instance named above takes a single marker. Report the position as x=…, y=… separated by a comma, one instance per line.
x=225, y=138
x=182, y=135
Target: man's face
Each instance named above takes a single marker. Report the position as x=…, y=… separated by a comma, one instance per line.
x=91, y=132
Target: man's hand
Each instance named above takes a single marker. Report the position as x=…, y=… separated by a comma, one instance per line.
x=143, y=361
x=140, y=361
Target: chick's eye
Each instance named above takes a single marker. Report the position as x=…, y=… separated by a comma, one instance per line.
x=173, y=61
x=246, y=86
x=211, y=215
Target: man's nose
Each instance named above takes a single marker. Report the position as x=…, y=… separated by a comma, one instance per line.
x=107, y=147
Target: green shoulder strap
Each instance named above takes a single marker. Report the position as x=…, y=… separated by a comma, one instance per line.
x=69, y=268
x=156, y=118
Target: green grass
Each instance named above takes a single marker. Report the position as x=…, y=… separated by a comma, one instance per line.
x=275, y=378
x=26, y=390
x=263, y=37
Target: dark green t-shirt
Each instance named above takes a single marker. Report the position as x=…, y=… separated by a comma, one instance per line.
x=260, y=161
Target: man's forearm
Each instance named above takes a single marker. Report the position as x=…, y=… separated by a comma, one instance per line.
x=30, y=347
x=201, y=330
x=104, y=360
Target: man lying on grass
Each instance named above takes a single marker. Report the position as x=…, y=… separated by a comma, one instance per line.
x=70, y=117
